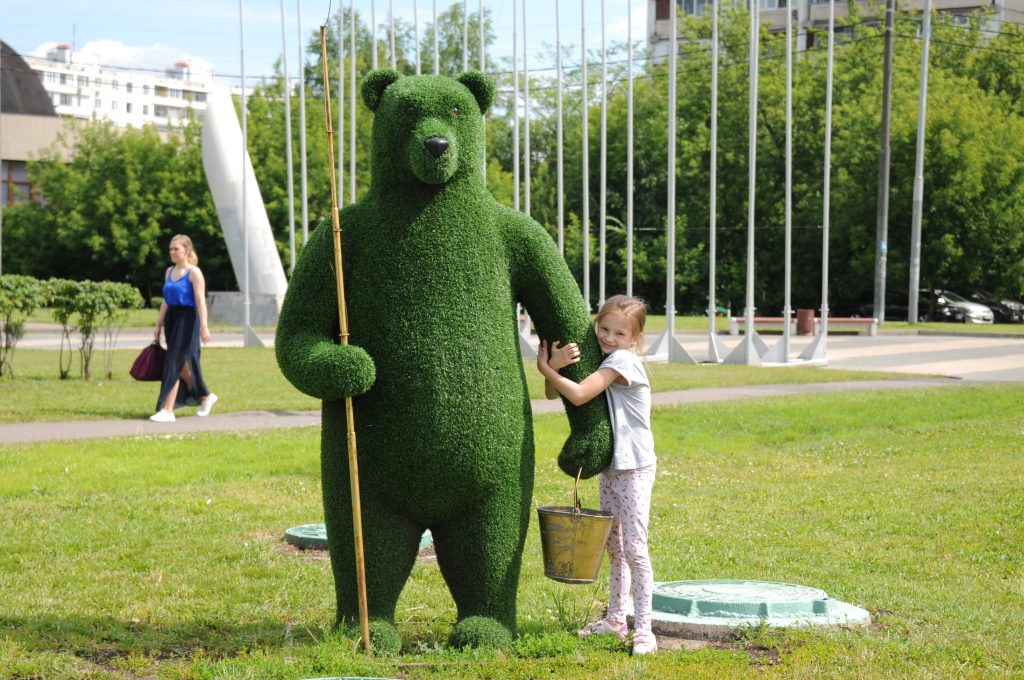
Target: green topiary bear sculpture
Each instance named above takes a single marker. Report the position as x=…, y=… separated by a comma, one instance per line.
x=434, y=267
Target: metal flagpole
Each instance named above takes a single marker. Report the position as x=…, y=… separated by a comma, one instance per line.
x=515, y=104
x=818, y=349
x=524, y=329
x=288, y=143
x=780, y=352
x=667, y=346
x=248, y=332
x=352, y=99
x=526, y=119
x=350, y=423
x=341, y=104
x=882, y=215
x=922, y=110
x=629, y=147
x=416, y=33
x=302, y=129
x=373, y=33
x=603, y=201
x=716, y=350
x=391, y=33
x=465, y=34
x=558, y=133
x=751, y=347
x=586, y=156
x=483, y=63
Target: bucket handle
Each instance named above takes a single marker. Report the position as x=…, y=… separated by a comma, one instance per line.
x=576, y=493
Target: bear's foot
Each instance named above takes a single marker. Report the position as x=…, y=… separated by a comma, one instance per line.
x=384, y=637
x=480, y=631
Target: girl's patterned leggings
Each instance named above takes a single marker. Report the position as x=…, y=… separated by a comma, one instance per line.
x=627, y=495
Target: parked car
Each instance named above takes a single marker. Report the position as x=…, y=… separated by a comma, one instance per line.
x=897, y=308
x=1005, y=311
x=972, y=311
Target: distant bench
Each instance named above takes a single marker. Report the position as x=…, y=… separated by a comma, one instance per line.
x=736, y=321
x=868, y=324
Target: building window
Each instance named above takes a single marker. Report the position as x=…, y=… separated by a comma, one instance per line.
x=145, y=90
x=128, y=107
x=174, y=94
x=51, y=76
x=83, y=81
x=99, y=103
x=64, y=78
x=14, y=184
x=114, y=86
x=113, y=106
x=128, y=88
x=145, y=109
x=160, y=111
x=200, y=97
x=65, y=100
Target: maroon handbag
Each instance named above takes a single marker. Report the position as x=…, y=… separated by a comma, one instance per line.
x=149, y=365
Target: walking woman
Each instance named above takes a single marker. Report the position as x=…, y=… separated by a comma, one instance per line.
x=183, y=318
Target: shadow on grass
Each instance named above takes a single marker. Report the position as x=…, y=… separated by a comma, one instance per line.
x=103, y=639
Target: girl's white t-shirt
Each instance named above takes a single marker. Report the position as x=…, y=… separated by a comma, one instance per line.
x=630, y=408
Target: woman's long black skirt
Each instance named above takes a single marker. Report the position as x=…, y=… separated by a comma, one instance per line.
x=181, y=329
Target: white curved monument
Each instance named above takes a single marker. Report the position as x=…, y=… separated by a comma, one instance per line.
x=222, y=160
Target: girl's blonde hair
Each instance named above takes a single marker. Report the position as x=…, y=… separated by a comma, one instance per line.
x=635, y=311
x=191, y=257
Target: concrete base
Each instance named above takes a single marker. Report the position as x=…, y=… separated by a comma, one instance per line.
x=228, y=307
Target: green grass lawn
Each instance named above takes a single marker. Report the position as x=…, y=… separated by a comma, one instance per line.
x=248, y=379
x=160, y=557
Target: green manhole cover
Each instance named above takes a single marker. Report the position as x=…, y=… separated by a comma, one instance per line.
x=308, y=536
x=713, y=608
x=315, y=536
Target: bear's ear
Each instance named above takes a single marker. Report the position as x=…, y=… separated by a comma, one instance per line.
x=482, y=87
x=375, y=83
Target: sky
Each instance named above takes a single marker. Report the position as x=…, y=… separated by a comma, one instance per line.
x=146, y=34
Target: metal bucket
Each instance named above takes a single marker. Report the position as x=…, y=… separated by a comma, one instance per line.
x=573, y=540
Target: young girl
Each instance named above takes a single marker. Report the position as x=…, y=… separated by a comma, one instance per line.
x=626, y=485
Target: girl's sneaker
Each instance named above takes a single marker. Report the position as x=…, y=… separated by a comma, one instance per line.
x=204, y=408
x=604, y=627
x=644, y=642
x=162, y=416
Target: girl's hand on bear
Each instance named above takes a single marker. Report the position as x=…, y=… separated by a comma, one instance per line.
x=563, y=356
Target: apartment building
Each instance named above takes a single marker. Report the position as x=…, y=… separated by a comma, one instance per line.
x=86, y=90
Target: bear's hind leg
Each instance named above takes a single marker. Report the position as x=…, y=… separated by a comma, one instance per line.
x=480, y=555
x=390, y=546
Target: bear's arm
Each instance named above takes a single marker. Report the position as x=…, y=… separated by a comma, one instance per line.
x=307, y=344
x=544, y=285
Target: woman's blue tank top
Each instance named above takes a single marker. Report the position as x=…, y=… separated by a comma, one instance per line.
x=179, y=293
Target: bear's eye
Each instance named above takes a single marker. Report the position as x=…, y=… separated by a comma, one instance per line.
x=410, y=110
x=455, y=111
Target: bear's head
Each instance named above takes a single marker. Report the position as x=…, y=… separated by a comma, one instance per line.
x=427, y=128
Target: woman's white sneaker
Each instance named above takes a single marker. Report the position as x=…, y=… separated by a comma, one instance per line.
x=204, y=408
x=162, y=416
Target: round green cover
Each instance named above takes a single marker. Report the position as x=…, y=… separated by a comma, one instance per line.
x=705, y=606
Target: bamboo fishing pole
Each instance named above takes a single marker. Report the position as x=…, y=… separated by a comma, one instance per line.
x=353, y=458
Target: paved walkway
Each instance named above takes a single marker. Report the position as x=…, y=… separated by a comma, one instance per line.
x=938, y=360
x=21, y=433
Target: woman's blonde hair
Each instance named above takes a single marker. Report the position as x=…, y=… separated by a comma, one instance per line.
x=191, y=256
x=635, y=311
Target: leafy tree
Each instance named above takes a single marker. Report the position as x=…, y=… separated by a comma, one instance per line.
x=109, y=211
x=19, y=297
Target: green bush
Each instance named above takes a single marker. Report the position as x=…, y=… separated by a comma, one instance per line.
x=88, y=307
x=19, y=297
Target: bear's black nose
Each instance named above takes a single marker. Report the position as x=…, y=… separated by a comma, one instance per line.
x=436, y=145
